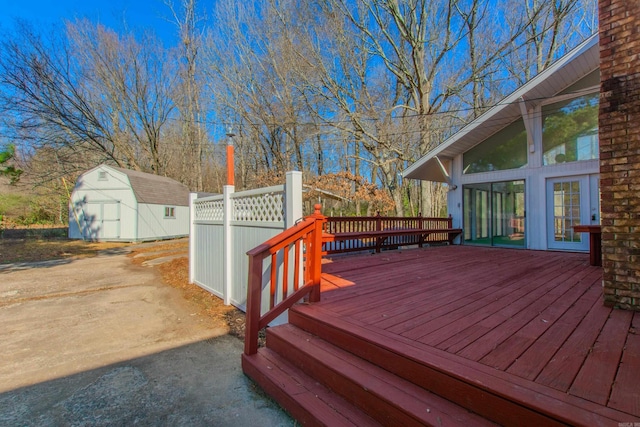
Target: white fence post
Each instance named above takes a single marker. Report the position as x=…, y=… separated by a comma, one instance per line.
x=227, y=191
x=192, y=236
x=293, y=198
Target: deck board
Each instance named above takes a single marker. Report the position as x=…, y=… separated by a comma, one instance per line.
x=533, y=317
x=461, y=332
x=625, y=395
x=517, y=315
x=511, y=350
x=595, y=378
x=534, y=359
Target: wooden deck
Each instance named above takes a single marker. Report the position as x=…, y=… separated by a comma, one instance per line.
x=484, y=326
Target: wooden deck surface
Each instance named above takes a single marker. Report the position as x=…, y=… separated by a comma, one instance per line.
x=534, y=317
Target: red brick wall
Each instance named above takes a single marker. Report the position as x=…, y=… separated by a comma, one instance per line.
x=619, y=124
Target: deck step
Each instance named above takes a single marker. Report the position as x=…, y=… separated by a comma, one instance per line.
x=309, y=402
x=382, y=395
x=475, y=388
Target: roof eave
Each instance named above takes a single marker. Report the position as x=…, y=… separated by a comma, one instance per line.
x=449, y=148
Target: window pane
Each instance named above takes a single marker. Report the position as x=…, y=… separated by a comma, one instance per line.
x=566, y=211
x=506, y=149
x=570, y=130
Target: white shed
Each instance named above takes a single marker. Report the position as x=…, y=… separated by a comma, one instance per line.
x=110, y=203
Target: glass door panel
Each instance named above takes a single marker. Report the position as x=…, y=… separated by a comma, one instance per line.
x=508, y=213
x=477, y=214
x=494, y=214
x=567, y=206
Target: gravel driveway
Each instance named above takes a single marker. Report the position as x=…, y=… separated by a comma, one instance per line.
x=100, y=341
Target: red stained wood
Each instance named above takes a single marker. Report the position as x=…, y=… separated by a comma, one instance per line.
x=563, y=367
x=625, y=395
x=518, y=313
x=456, y=330
x=531, y=363
x=384, y=396
x=509, y=351
x=595, y=378
x=521, y=323
x=505, y=399
x=530, y=314
x=302, y=396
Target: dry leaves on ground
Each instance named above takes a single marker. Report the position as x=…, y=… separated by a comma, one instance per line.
x=176, y=274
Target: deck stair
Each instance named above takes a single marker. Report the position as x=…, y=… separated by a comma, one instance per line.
x=326, y=373
x=320, y=383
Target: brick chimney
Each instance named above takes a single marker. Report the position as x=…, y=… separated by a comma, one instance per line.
x=619, y=123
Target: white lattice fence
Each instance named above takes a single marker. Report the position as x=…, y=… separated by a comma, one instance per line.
x=209, y=209
x=225, y=227
x=267, y=206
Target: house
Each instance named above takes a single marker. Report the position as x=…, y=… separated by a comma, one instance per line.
x=527, y=170
x=111, y=203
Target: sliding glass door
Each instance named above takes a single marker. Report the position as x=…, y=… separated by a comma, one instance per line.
x=494, y=214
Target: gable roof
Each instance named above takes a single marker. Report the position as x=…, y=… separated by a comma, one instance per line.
x=154, y=189
x=576, y=64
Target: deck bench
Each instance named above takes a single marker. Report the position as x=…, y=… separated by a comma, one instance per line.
x=382, y=235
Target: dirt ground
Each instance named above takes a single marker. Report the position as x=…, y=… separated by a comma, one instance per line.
x=109, y=340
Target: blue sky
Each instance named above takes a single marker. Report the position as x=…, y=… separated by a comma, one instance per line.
x=137, y=14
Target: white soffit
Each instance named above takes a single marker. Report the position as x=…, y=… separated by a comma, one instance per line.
x=564, y=72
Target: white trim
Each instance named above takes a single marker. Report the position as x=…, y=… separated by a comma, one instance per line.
x=451, y=146
x=577, y=94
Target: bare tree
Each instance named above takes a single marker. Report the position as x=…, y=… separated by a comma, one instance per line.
x=189, y=92
x=85, y=92
x=555, y=26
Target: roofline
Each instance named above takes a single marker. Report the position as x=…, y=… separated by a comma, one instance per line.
x=505, y=102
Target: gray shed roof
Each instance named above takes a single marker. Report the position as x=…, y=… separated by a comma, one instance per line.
x=156, y=190
x=567, y=70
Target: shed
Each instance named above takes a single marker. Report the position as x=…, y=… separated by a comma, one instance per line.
x=114, y=204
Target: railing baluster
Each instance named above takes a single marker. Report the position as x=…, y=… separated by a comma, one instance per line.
x=296, y=266
x=285, y=272
x=274, y=284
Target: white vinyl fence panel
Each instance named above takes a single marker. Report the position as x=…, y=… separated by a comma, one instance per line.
x=225, y=227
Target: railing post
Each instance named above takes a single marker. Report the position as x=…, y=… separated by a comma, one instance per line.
x=316, y=253
x=421, y=227
x=378, y=228
x=293, y=211
x=254, y=301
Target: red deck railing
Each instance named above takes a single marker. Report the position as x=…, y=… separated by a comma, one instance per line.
x=352, y=234
x=303, y=242
x=306, y=242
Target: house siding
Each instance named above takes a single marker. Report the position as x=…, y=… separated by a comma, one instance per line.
x=619, y=121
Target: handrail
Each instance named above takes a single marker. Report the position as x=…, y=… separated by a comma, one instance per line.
x=304, y=240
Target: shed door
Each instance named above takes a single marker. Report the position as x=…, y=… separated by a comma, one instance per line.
x=103, y=221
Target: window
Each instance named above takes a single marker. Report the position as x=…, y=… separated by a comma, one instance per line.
x=169, y=212
x=506, y=149
x=570, y=130
x=102, y=176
